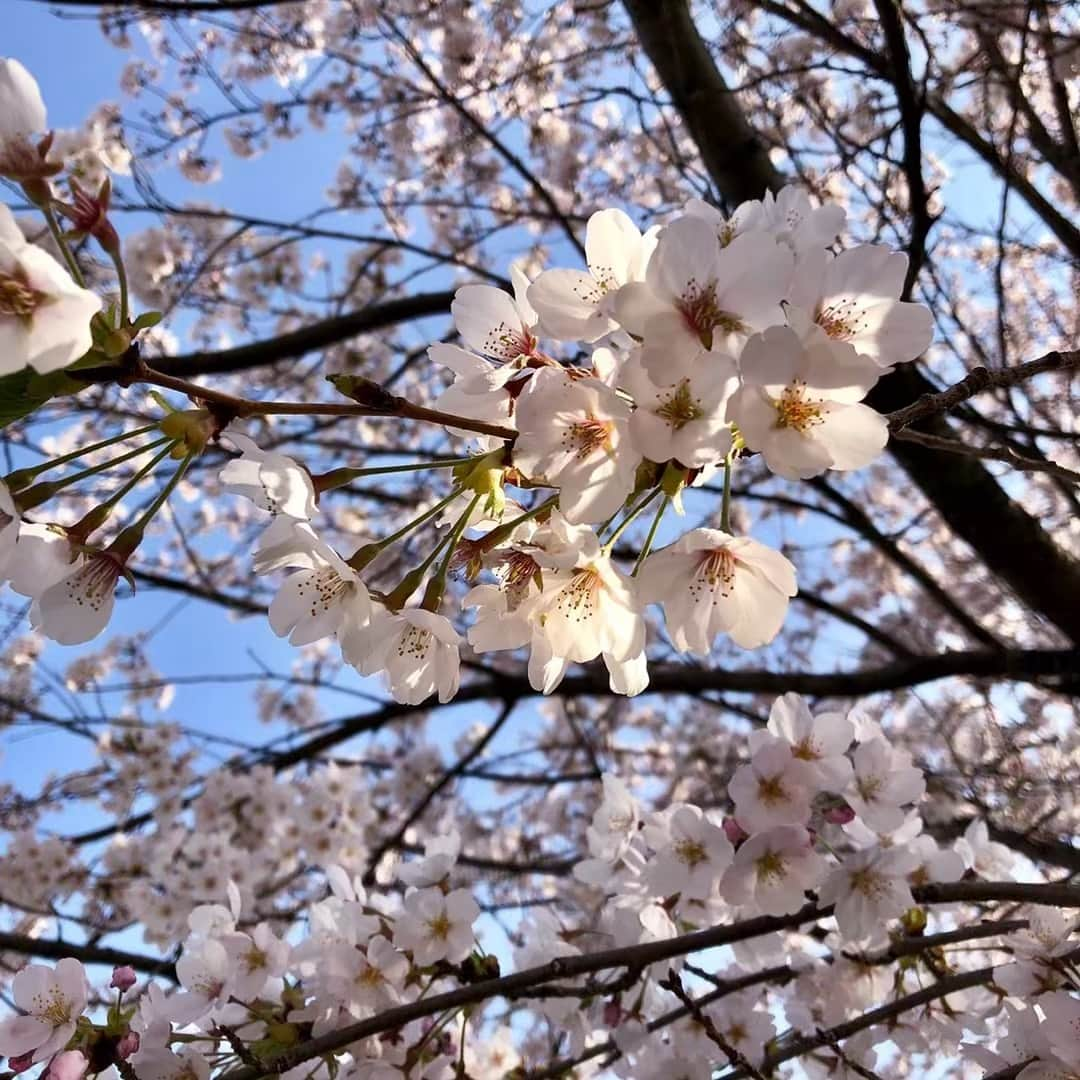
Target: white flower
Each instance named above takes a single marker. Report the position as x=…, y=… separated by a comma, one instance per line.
x=574, y=437
x=370, y=978
x=772, y=871
x=590, y=608
x=692, y=853
x=78, y=607
x=699, y=296
x=53, y=999
x=271, y=481
x=793, y=219
x=205, y=971
x=821, y=741
x=1062, y=1027
x=774, y=789
x=495, y=324
x=884, y=781
x=869, y=888
x=42, y=556
x=744, y=1027
x=479, y=391
x=161, y=1063
x=44, y=315
x=440, y=855
x=22, y=115
x=709, y=582
x=9, y=530
x=255, y=959
x=574, y=305
x=852, y=298
x=1035, y=949
x=417, y=649
x=685, y=421
x=935, y=863
x=988, y=858
x=436, y=927
x=800, y=405
x=315, y=602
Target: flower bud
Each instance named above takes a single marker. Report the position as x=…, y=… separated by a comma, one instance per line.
x=839, y=815
x=123, y=978
x=21, y=1062
x=128, y=1045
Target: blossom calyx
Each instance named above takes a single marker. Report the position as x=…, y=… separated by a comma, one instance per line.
x=192, y=428
x=89, y=215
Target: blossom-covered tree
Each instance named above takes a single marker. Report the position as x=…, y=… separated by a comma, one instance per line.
x=658, y=420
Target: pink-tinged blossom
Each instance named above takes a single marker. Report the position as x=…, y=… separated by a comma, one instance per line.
x=870, y=889
x=256, y=958
x=68, y=1065
x=853, y=298
x=800, y=405
x=435, y=926
x=479, y=391
x=9, y=530
x=205, y=971
x=574, y=435
x=710, y=583
x=495, y=324
x=685, y=421
x=52, y=1000
x=987, y=858
x=440, y=856
x=772, y=871
x=22, y=117
x=884, y=782
x=78, y=607
x=575, y=305
x=160, y=1063
x=691, y=853
x=123, y=978
x=773, y=789
x=44, y=316
x=272, y=481
x=699, y=296
x=417, y=650
x=324, y=592
x=821, y=741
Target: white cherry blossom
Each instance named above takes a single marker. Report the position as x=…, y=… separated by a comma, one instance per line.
x=821, y=741
x=774, y=788
x=574, y=435
x=709, y=583
x=685, y=421
x=884, y=781
x=853, y=298
x=22, y=116
x=869, y=889
x=44, y=315
x=272, y=481
x=495, y=324
x=800, y=405
x=772, y=871
x=692, y=853
x=436, y=926
x=52, y=1000
x=575, y=305
x=78, y=607
x=699, y=296
x=10, y=529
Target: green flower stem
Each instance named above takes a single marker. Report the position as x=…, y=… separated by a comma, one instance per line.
x=100, y=514
x=437, y=586
x=21, y=477
x=339, y=477
x=62, y=244
x=132, y=536
x=647, y=547
x=39, y=493
x=365, y=554
x=122, y=281
x=629, y=518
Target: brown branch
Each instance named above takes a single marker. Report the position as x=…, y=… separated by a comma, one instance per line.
x=50, y=949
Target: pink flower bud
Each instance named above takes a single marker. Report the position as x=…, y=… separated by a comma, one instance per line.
x=128, y=1045
x=734, y=831
x=69, y=1065
x=123, y=978
x=839, y=815
x=21, y=1062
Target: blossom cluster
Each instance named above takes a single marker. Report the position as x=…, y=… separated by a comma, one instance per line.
x=710, y=339
x=821, y=824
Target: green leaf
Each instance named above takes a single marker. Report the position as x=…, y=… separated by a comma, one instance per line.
x=147, y=319
x=23, y=392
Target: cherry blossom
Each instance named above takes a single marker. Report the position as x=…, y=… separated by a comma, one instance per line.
x=52, y=1000
x=574, y=434
x=272, y=481
x=773, y=869
x=775, y=788
x=710, y=582
x=575, y=305
x=44, y=315
x=22, y=115
x=692, y=853
x=869, y=888
x=884, y=781
x=852, y=298
x=821, y=741
x=434, y=926
x=78, y=607
x=799, y=405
